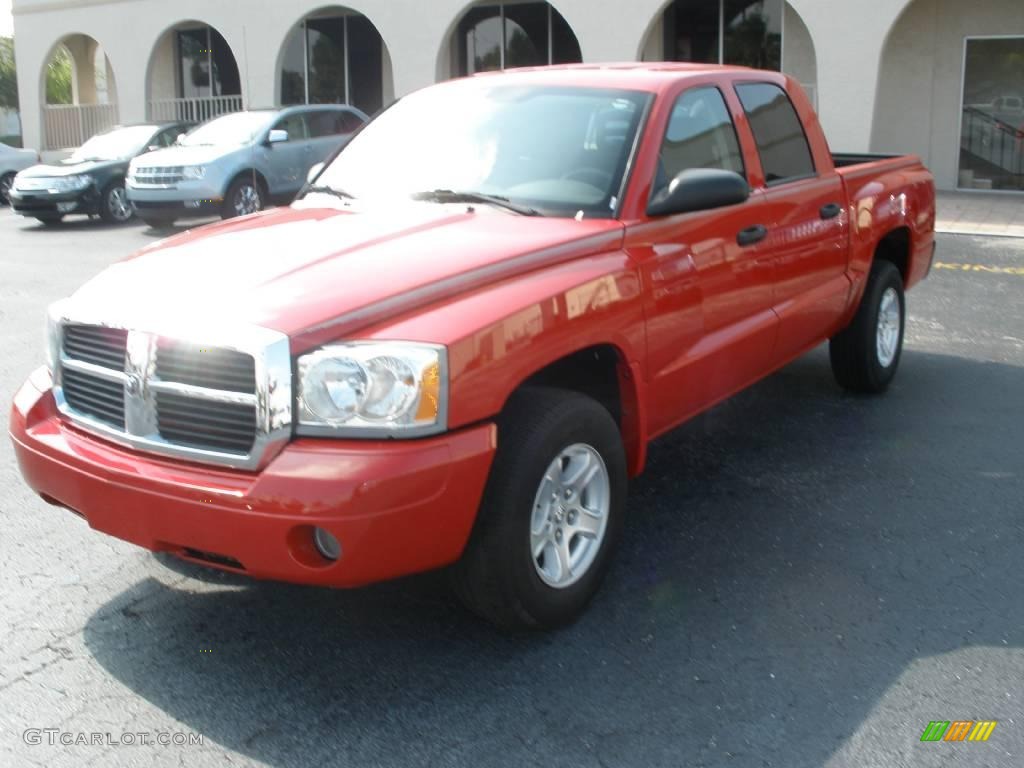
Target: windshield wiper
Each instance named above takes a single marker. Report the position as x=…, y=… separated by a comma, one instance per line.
x=452, y=196
x=323, y=189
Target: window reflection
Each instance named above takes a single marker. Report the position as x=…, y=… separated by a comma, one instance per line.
x=738, y=32
x=334, y=60
x=505, y=35
x=992, y=128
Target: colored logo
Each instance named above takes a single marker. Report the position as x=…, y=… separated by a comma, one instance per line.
x=959, y=730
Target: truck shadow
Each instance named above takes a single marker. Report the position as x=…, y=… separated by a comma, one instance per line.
x=788, y=556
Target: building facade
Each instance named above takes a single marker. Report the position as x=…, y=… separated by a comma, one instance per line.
x=941, y=78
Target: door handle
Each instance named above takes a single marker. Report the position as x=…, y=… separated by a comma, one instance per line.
x=830, y=211
x=752, y=235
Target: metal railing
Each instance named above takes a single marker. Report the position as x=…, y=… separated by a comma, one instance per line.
x=997, y=144
x=69, y=125
x=195, y=110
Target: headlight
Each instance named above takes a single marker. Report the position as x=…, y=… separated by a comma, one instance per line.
x=52, y=341
x=193, y=171
x=72, y=183
x=373, y=389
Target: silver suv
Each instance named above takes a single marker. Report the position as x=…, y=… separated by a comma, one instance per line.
x=235, y=164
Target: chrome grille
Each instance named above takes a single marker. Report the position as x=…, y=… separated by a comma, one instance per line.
x=99, y=398
x=97, y=345
x=205, y=367
x=225, y=403
x=222, y=426
x=157, y=176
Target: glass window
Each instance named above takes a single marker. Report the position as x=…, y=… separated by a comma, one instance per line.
x=331, y=123
x=781, y=142
x=742, y=32
x=561, y=150
x=753, y=33
x=700, y=135
x=992, y=128
x=326, y=41
x=206, y=66
x=295, y=125
x=514, y=35
x=691, y=31
x=345, y=57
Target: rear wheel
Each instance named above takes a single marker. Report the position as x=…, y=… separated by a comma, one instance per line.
x=5, y=186
x=245, y=196
x=114, y=207
x=551, y=514
x=867, y=353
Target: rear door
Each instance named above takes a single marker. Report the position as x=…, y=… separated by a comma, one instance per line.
x=328, y=130
x=806, y=217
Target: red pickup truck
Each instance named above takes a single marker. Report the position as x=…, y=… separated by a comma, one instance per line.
x=454, y=349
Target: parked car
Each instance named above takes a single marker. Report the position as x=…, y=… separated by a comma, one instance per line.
x=13, y=160
x=91, y=180
x=237, y=163
x=455, y=348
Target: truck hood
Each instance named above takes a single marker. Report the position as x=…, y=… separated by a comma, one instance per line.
x=321, y=273
x=175, y=156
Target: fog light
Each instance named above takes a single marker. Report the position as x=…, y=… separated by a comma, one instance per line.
x=327, y=544
x=66, y=207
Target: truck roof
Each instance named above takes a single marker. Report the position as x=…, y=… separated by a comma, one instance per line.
x=630, y=75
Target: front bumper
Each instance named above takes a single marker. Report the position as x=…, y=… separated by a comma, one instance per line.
x=43, y=203
x=397, y=507
x=181, y=200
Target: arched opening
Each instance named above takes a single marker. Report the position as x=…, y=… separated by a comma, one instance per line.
x=192, y=75
x=79, y=92
x=335, y=56
x=956, y=70
x=491, y=36
x=742, y=32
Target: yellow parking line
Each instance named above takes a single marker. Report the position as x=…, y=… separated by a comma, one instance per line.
x=1019, y=271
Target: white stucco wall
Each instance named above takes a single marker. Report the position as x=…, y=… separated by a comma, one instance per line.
x=836, y=44
x=918, y=103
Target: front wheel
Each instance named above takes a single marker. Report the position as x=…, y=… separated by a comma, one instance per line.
x=867, y=353
x=114, y=207
x=244, y=196
x=551, y=514
x=6, y=180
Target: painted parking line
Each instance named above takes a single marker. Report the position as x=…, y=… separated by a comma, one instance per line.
x=955, y=267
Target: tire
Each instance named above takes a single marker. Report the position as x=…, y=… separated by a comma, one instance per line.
x=114, y=205
x=865, y=355
x=5, y=184
x=499, y=576
x=238, y=200
x=50, y=220
x=157, y=222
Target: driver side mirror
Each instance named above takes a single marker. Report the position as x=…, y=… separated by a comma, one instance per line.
x=699, y=189
x=276, y=136
x=313, y=172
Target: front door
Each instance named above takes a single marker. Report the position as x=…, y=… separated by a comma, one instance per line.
x=708, y=280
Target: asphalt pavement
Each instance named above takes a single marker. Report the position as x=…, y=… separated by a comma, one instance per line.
x=807, y=579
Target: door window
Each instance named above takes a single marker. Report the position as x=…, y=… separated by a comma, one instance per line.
x=330, y=123
x=781, y=141
x=700, y=134
x=295, y=125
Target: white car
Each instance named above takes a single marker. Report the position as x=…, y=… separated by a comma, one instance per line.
x=13, y=160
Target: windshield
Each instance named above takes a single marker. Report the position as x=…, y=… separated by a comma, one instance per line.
x=559, y=150
x=235, y=129
x=120, y=143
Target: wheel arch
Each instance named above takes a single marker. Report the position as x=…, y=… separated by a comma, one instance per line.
x=896, y=247
x=601, y=371
x=254, y=172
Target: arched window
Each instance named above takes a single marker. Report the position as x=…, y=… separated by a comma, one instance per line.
x=742, y=32
x=505, y=35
